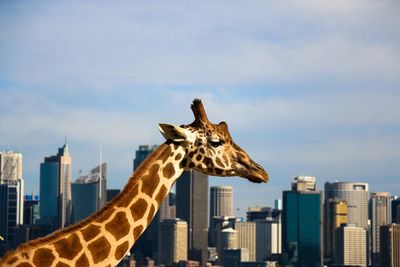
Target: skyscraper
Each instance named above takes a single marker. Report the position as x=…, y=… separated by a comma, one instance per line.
x=221, y=204
x=390, y=245
x=350, y=247
x=191, y=206
x=55, y=189
x=356, y=197
x=89, y=193
x=11, y=194
x=380, y=215
x=301, y=227
x=221, y=201
x=141, y=154
x=173, y=241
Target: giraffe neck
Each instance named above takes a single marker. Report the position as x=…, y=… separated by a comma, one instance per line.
x=105, y=237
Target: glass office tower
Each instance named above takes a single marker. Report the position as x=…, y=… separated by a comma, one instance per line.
x=302, y=228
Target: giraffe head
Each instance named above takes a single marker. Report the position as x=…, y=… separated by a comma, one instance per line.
x=210, y=149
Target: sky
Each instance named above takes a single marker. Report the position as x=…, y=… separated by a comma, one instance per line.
x=307, y=87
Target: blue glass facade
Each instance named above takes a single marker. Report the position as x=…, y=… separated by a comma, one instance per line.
x=49, y=193
x=84, y=200
x=301, y=228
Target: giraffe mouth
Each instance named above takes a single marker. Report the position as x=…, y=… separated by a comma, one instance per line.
x=254, y=173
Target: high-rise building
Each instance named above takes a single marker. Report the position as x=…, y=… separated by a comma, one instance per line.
x=55, y=189
x=221, y=201
x=301, y=227
x=380, y=215
x=350, y=247
x=221, y=204
x=390, y=245
x=191, y=206
x=11, y=194
x=167, y=208
x=356, y=197
x=268, y=239
x=89, y=193
x=173, y=241
x=235, y=256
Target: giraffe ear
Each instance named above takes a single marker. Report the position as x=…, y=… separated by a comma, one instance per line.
x=175, y=133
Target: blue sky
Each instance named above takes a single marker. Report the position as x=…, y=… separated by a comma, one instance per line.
x=307, y=87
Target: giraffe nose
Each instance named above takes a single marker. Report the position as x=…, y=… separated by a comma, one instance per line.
x=257, y=174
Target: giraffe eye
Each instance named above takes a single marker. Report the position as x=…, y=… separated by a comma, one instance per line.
x=216, y=143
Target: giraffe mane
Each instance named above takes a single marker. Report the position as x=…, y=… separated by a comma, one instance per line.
x=54, y=236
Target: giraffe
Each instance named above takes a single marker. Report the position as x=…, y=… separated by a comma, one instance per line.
x=105, y=237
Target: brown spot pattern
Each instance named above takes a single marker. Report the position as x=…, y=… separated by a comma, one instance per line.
x=68, y=248
x=106, y=215
x=100, y=248
x=191, y=165
x=121, y=250
x=24, y=264
x=198, y=157
x=43, y=257
x=118, y=226
x=151, y=181
x=151, y=214
x=90, y=232
x=137, y=231
x=202, y=150
x=161, y=194
x=62, y=264
x=208, y=162
x=169, y=170
x=178, y=157
x=12, y=260
x=82, y=261
x=183, y=163
x=138, y=209
x=126, y=199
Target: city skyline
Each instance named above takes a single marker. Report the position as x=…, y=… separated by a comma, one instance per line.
x=307, y=89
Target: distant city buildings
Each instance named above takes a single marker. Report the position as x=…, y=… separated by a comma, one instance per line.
x=89, y=193
x=55, y=189
x=359, y=229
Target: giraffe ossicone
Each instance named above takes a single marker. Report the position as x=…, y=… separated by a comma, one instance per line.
x=105, y=237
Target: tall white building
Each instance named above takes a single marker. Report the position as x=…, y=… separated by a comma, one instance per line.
x=11, y=193
x=247, y=237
